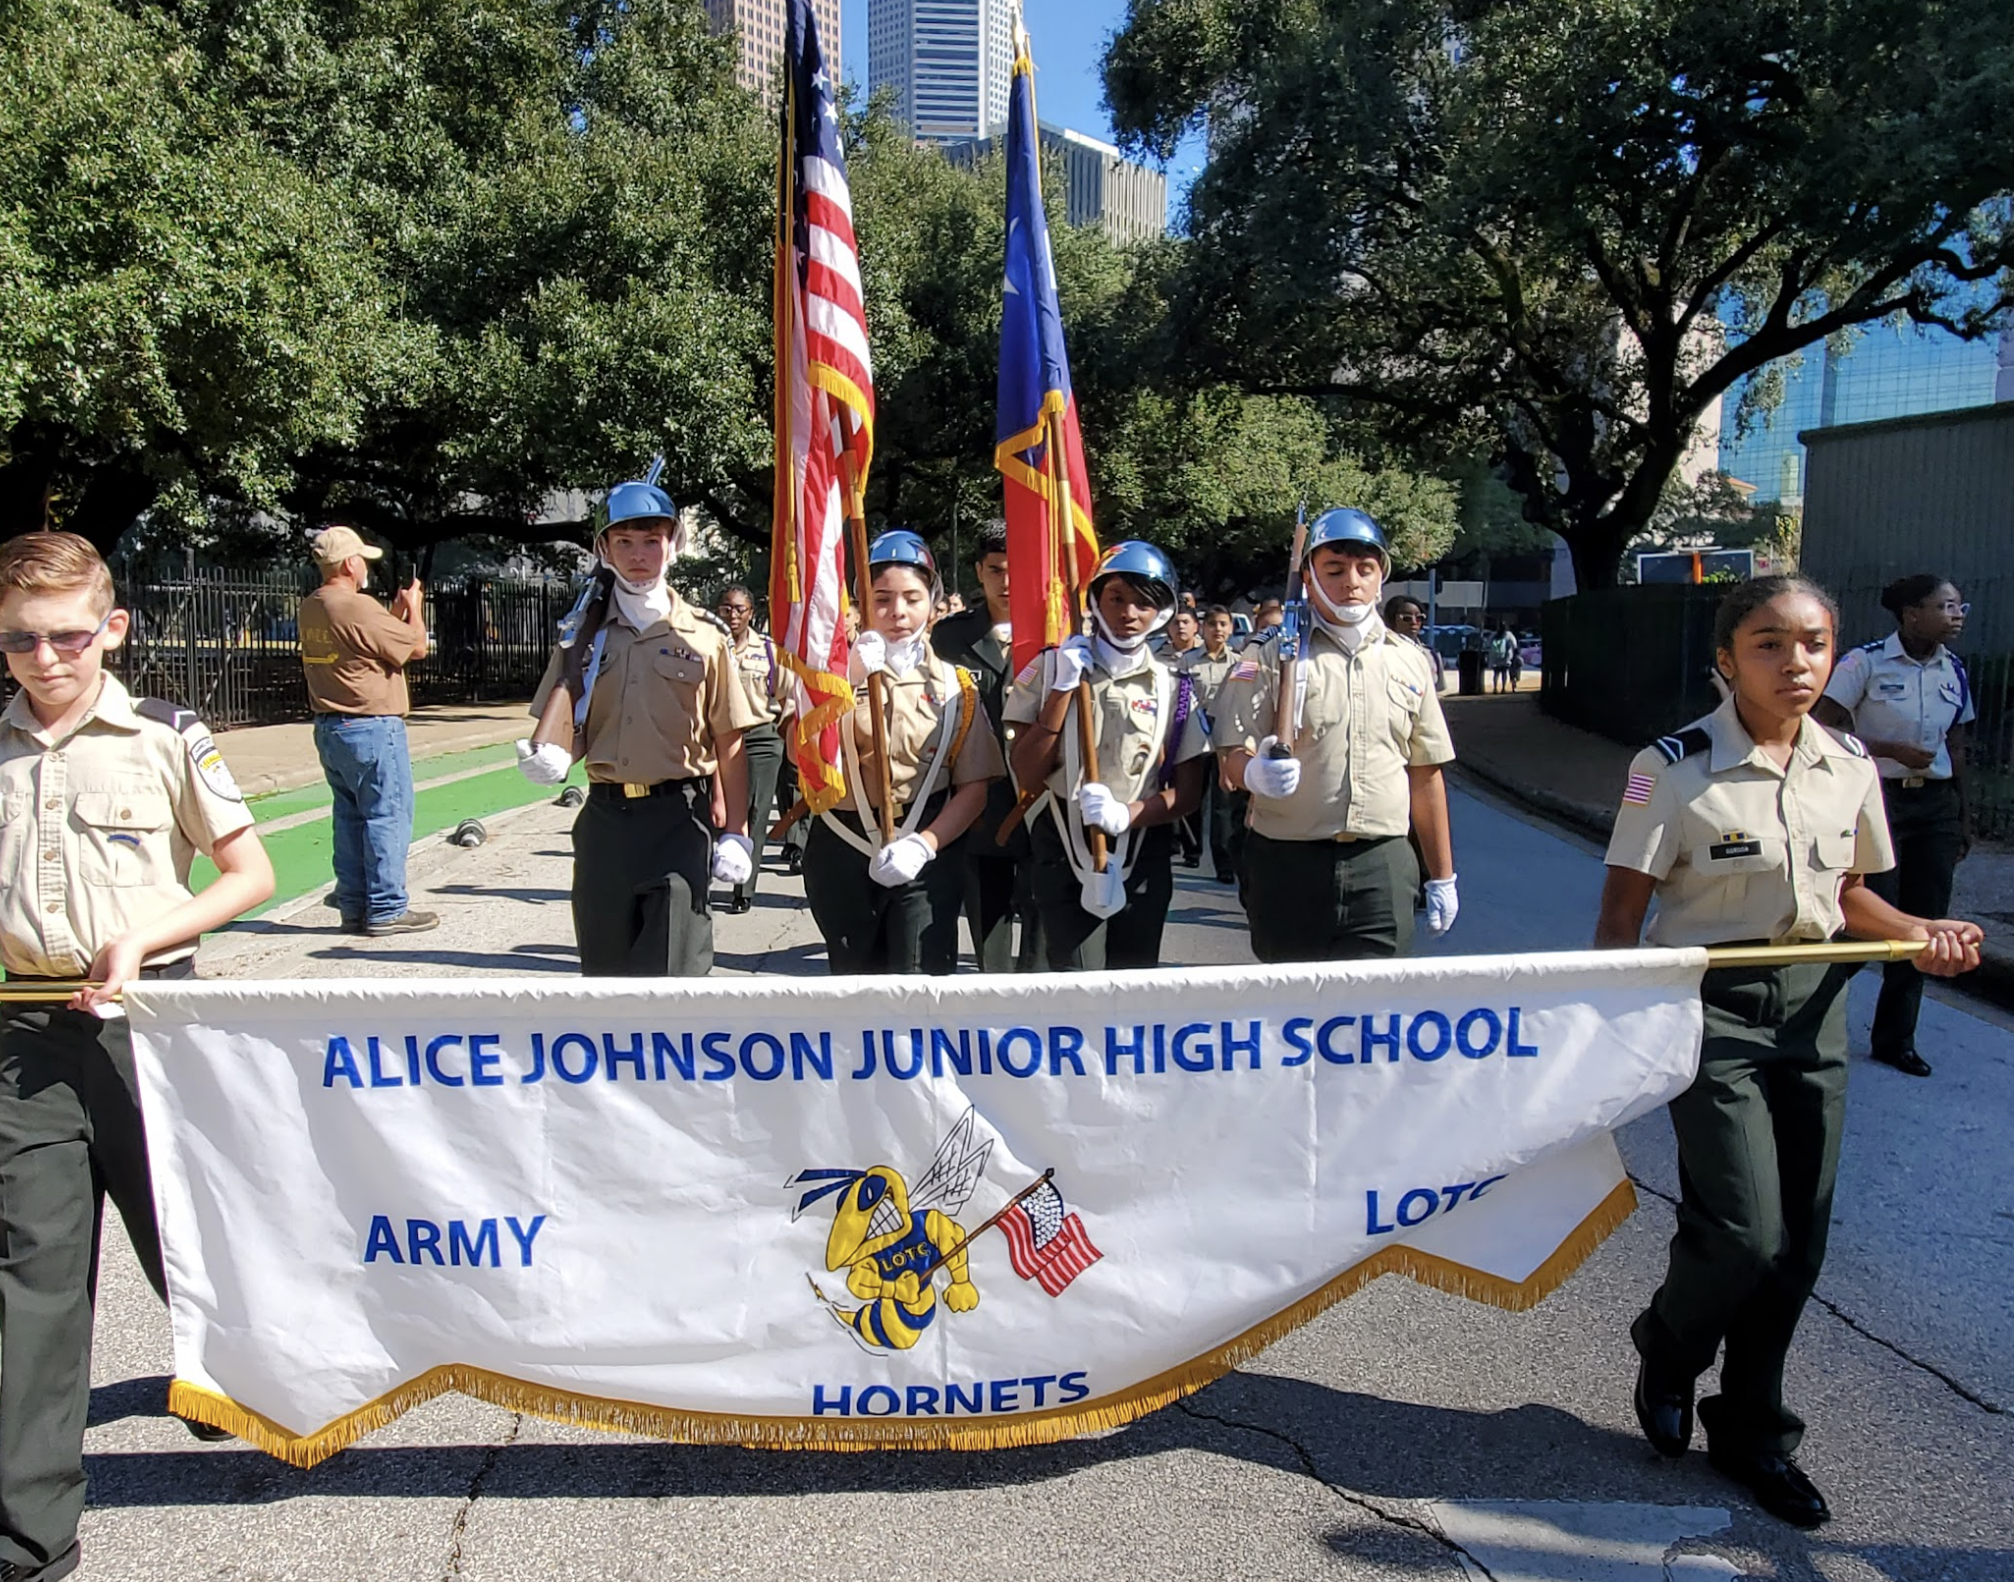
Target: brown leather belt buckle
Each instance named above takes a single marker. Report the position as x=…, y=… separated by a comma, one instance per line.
x=1345, y=838
x=632, y=790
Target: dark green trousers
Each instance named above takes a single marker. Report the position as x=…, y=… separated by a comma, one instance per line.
x=998, y=895
x=1758, y=1148
x=70, y=1135
x=762, y=749
x=1329, y=900
x=641, y=868
x=1075, y=941
x=1928, y=826
x=870, y=928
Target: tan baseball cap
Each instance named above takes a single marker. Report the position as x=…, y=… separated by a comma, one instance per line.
x=334, y=545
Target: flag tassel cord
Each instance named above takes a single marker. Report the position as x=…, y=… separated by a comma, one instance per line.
x=198, y=1404
x=1063, y=550
x=877, y=685
x=1845, y=950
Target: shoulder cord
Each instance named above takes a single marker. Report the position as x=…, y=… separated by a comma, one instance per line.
x=1185, y=703
x=1069, y=822
x=951, y=729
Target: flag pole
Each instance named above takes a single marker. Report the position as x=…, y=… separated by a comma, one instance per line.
x=877, y=697
x=963, y=1242
x=1063, y=530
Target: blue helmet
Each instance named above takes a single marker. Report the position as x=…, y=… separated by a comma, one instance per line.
x=900, y=547
x=1141, y=564
x=638, y=500
x=1351, y=527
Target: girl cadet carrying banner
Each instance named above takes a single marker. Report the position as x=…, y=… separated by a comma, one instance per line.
x=1755, y=825
x=1328, y=872
x=894, y=907
x=1152, y=752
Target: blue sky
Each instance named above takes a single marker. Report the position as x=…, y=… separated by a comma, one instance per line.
x=1069, y=38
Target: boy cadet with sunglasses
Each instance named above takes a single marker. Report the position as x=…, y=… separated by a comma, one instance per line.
x=106, y=801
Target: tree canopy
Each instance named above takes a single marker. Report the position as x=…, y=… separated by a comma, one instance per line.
x=1560, y=232
x=446, y=271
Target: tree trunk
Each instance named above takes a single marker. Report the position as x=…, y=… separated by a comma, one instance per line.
x=1597, y=553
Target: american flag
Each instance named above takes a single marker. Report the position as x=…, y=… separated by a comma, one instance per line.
x=1046, y=1242
x=1637, y=792
x=824, y=408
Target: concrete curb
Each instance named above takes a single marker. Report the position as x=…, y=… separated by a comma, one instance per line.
x=1993, y=982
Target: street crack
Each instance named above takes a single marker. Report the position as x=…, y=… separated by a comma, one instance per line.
x=461, y=1525
x=1956, y=1386
x=1348, y=1496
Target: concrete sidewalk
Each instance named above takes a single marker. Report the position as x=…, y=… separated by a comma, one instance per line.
x=268, y=758
x=1575, y=778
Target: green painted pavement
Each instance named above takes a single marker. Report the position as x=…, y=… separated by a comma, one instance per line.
x=302, y=856
x=306, y=799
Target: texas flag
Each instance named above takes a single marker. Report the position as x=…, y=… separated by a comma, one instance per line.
x=1038, y=447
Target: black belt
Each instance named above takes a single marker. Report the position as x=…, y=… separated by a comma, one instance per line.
x=633, y=791
x=1919, y=783
x=185, y=968
x=935, y=805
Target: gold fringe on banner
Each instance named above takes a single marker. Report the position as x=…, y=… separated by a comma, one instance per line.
x=818, y=1433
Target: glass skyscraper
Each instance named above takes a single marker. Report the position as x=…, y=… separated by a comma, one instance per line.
x=947, y=61
x=1884, y=371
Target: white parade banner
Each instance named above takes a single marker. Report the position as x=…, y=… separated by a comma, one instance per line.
x=955, y=1212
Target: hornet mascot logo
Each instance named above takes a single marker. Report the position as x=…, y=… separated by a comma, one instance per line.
x=893, y=1240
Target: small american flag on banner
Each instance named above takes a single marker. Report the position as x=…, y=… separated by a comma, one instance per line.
x=1637, y=792
x=1046, y=1242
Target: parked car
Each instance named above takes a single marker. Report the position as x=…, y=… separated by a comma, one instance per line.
x=1529, y=653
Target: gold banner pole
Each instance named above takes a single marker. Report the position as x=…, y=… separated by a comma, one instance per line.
x=1833, y=950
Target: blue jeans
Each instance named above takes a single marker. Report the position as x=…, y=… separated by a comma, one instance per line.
x=364, y=758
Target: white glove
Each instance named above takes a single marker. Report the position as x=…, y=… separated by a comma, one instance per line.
x=870, y=654
x=1276, y=778
x=1442, y=905
x=1103, y=810
x=544, y=765
x=1103, y=895
x=1072, y=660
x=901, y=860
x=733, y=859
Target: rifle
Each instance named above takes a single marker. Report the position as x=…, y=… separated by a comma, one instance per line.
x=578, y=629
x=1287, y=710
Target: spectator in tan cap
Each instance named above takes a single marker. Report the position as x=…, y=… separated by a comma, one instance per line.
x=355, y=653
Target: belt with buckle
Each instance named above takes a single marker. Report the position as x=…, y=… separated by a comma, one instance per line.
x=1914, y=782
x=633, y=791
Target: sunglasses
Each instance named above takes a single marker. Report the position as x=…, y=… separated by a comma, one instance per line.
x=1960, y=610
x=72, y=643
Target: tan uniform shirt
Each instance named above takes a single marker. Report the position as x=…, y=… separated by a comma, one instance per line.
x=762, y=675
x=1125, y=723
x=1369, y=716
x=1207, y=675
x=1741, y=849
x=917, y=703
x=97, y=830
x=663, y=698
x=354, y=652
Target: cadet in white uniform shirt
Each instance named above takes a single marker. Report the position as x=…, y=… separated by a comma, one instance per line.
x=1907, y=697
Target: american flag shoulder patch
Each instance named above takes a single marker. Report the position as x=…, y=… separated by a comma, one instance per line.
x=1637, y=792
x=1244, y=670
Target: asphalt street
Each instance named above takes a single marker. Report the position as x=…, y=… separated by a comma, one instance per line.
x=1406, y=1434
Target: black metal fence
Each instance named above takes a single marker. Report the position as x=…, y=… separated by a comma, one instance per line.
x=228, y=644
x=1991, y=752
x=1630, y=663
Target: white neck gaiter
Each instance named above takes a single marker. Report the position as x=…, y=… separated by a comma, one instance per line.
x=643, y=604
x=906, y=653
x=1351, y=625
x=1118, y=659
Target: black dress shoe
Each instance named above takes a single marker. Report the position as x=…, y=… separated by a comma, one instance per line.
x=739, y=904
x=793, y=861
x=1664, y=1412
x=1778, y=1484
x=1906, y=1061
x=209, y=1433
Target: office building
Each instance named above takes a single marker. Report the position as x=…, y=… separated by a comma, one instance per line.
x=1100, y=187
x=760, y=26
x=1884, y=371
x=947, y=62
